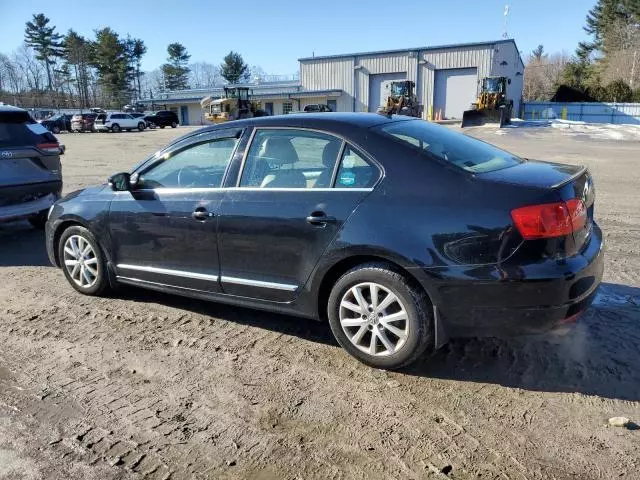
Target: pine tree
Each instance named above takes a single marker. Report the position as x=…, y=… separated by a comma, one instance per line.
x=233, y=68
x=110, y=61
x=77, y=54
x=538, y=53
x=176, y=71
x=45, y=41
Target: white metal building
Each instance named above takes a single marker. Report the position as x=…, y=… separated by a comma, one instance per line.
x=447, y=77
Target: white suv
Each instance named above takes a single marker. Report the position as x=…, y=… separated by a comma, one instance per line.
x=116, y=122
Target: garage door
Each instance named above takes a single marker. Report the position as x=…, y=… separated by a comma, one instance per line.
x=377, y=94
x=455, y=90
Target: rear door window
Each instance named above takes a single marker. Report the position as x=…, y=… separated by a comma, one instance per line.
x=444, y=144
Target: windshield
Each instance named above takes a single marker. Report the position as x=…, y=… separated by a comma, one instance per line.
x=398, y=89
x=56, y=117
x=443, y=143
x=492, y=85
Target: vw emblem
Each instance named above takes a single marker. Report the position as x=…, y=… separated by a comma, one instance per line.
x=6, y=154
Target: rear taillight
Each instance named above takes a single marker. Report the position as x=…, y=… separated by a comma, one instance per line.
x=49, y=147
x=550, y=219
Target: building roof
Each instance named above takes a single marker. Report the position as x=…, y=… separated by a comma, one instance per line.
x=275, y=95
x=404, y=50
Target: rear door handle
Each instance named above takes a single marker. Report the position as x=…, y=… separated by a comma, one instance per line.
x=320, y=218
x=201, y=214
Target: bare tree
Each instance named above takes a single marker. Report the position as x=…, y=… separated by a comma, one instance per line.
x=542, y=74
x=205, y=75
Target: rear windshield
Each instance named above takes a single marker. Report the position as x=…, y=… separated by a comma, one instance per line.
x=445, y=144
x=18, y=129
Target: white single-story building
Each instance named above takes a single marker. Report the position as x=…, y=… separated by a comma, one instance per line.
x=447, y=79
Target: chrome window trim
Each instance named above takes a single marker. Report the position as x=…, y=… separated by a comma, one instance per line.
x=258, y=283
x=249, y=189
x=168, y=271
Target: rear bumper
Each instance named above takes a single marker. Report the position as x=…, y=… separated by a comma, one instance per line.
x=524, y=299
x=101, y=127
x=21, y=201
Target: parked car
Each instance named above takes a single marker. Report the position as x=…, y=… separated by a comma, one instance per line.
x=118, y=121
x=83, y=122
x=400, y=232
x=141, y=116
x=57, y=123
x=163, y=118
x=30, y=172
x=316, y=107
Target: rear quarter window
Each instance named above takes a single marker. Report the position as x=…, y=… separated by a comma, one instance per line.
x=444, y=144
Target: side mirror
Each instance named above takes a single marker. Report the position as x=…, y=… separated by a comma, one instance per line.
x=120, y=182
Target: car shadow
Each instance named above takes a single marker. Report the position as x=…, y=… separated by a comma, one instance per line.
x=596, y=356
x=22, y=245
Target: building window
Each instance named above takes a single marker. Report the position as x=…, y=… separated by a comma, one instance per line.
x=287, y=107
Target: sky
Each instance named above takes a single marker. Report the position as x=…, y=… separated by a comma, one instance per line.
x=275, y=33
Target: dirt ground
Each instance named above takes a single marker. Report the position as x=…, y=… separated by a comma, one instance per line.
x=144, y=385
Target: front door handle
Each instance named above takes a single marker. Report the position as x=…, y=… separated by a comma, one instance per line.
x=320, y=218
x=201, y=214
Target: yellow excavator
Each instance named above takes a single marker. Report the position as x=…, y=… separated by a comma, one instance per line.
x=401, y=100
x=492, y=106
x=235, y=105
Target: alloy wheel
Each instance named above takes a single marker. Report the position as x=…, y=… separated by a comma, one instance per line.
x=374, y=319
x=80, y=261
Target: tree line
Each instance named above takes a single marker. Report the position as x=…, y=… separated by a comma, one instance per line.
x=72, y=71
x=606, y=67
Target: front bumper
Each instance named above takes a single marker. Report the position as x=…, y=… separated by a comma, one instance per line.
x=527, y=299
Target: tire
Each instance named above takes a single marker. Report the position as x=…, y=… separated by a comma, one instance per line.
x=407, y=299
x=96, y=282
x=161, y=126
x=174, y=124
x=141, y=126
x=55, y=129
x=115, y=128
x=128, y=129
x=38, y=221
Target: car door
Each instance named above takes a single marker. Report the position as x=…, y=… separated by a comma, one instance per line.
x=164, y=230
x=284, y=211
x=129, y=121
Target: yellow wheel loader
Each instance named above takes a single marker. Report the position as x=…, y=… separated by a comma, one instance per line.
x=492, y=106
x=401, y=99
x=235, y=105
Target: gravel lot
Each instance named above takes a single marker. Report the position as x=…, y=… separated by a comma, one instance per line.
x=144, y=385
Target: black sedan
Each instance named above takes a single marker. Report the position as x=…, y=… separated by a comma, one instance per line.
x=58, y=123
x=400, y=232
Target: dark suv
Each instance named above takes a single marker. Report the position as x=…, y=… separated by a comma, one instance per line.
x=58, y=123
x=30, y=172
x=163, y=118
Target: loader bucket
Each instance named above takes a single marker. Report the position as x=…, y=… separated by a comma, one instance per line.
x=472, y=118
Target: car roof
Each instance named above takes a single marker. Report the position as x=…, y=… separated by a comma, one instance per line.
x=330, y=121
x=11, y=108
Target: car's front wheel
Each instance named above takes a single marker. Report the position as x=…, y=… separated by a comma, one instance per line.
x=141, y=126
x=55, y=129
x=379, y=317
x=174, y=124
x=82, y=261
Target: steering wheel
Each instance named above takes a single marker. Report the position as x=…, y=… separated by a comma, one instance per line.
x=188, y=177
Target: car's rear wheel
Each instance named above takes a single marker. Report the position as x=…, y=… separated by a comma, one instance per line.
x=82, y=261
x=55, y=129
x=38, y=221
x=141, y=126
x=174, y=124
x=379, y=317
x=115, y=128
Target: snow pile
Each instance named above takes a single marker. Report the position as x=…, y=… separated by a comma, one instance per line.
x=604, y=131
